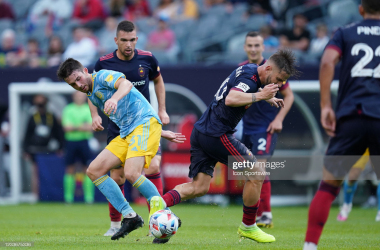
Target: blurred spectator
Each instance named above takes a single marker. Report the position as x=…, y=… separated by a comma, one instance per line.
x=50, y=14
x=6, y=11
x=106, y=35
x=116, y=8
x=166, y=8
x=136, y=9
x=143, y=39
x=76, y=121
x=33, y=54
x=209, y=3
x=10, y=54
x=55, y=51
x=90, y=13
x=271, y=42
x=186, y=9
x=82, y=48
x=44, y=135
x=297, y=38
x=163, y=38
x=318, y=44
x=259, y=7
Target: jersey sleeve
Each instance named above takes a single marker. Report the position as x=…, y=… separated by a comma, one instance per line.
x=244, y=81
x=155, y=69
x=98, y=66
x=336, y=42
x=284, y=86
x=108, y=78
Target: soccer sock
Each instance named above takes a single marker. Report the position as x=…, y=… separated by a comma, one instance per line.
x=69, y=187
x=112, y=192
x=264, y=197
x=349, y=191
x=88, y=190
x=114, y=214
x=378, y=196
x=156, y=180
x=171, y=198
x=249, y=214
x=146, y=187
x=319, y=211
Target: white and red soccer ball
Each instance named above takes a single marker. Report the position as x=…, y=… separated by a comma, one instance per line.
x=163, y=224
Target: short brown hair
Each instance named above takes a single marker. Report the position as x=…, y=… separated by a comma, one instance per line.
x=371, y=6
x=68, y=67
x=285, y=61
x=126, y=26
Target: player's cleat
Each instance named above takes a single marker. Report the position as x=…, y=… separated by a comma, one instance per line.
x=127, y=226
x=156, y=204
x=264, y=221
x=377, y=216
x=344, y=212
x=255, y=233
x=111, y=231
x=163, y=241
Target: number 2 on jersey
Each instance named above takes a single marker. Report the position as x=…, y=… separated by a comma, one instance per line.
x=358, y=69
x=221, y=90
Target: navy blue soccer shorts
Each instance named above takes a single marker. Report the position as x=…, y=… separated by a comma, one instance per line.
x=78, y=151
x=262, y=144
x=352, y=136
x=206, y=151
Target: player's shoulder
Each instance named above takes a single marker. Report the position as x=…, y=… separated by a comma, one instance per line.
x=106, y=57
x=243, y=63
x=144, y=53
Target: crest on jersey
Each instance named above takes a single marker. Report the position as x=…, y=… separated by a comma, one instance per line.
x=109, y=78
x=99, y=95
x=141, y=71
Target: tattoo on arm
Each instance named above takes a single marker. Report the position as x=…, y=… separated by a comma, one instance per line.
x=253, y=97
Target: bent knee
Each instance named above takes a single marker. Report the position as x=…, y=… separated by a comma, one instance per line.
x=201, y=190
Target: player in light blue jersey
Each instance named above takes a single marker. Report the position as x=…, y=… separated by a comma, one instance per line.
x=134, y=148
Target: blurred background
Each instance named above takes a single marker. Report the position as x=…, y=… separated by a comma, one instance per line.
x=205, y=41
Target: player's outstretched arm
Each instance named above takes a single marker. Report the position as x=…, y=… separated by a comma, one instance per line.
x=123, y=87
x=238, y=98
x=326, y=74
x=96, y=119
x=159, y=87
x=173, y=137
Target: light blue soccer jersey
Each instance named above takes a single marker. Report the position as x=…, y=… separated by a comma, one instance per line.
x=132, y=110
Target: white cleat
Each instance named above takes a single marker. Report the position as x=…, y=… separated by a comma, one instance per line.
x=344, y=212
x=111, y=231
x=309, y=246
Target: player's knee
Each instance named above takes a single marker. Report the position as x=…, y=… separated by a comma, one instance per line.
x=131, y=177
x=91, y=173
x=118, y=176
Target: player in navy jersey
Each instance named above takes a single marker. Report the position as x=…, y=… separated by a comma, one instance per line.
x=261, y=124
x=354, y=126
x=139, y=67
x=212, y=138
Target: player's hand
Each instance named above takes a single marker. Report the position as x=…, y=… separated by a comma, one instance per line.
x=110, y=106
x=328, y=120
x=97, y=124
x=164, y=117
x=269, y=91
x=173, y=137
x=275, y=127
x=276, y=102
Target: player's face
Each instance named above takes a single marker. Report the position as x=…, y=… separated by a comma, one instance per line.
x=254, y=48
x=80, y=81
x=126, y=43
x=275, y=76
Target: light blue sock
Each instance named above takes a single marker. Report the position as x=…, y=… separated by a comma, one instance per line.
x=349, y=191
x=112, y=192
x=378, y=196
x=146, y=187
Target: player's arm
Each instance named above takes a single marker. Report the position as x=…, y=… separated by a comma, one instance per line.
x=123, y=87
x=159, y=87
x=96, y=119
x=173, y=137
x=326, y=74
x=276, y=125
x=237, y=98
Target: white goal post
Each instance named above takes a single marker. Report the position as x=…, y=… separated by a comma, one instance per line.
x=18, y=89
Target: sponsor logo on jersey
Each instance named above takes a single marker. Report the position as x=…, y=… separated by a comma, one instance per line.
x=109, y=78
x=243, y=86
x=158, y=68
x=139, y=83
x=373, y=30
x=141, y=71
x=99, y=95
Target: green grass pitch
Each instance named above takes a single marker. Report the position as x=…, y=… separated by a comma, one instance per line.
x=78, y=226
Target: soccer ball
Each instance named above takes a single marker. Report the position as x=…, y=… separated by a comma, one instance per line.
x=163, y=224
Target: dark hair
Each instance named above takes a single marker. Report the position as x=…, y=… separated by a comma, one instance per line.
x=252, y=34
x=285, y=61
x=68, y=67
x=371, y=6
x=33, y=40
x=125, y=26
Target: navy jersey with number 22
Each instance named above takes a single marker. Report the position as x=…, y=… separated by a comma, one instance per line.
x=219, y=119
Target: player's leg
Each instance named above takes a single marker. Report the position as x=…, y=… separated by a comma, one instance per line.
x=87, y=185
x=378, y=203
x=343, y=151
x=153, y=172
x=69, y=177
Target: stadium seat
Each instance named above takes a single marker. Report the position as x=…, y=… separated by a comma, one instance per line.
x=255, y=22
x=5, y=24
x=338, y=17
x=21, y=7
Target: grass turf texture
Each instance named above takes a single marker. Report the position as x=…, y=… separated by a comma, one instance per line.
x=59, y=226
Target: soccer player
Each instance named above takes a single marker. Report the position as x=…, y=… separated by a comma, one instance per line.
x=139, y=67
x=134, y=148
x=261, y=125
x=212, y=138
x=354, y=126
